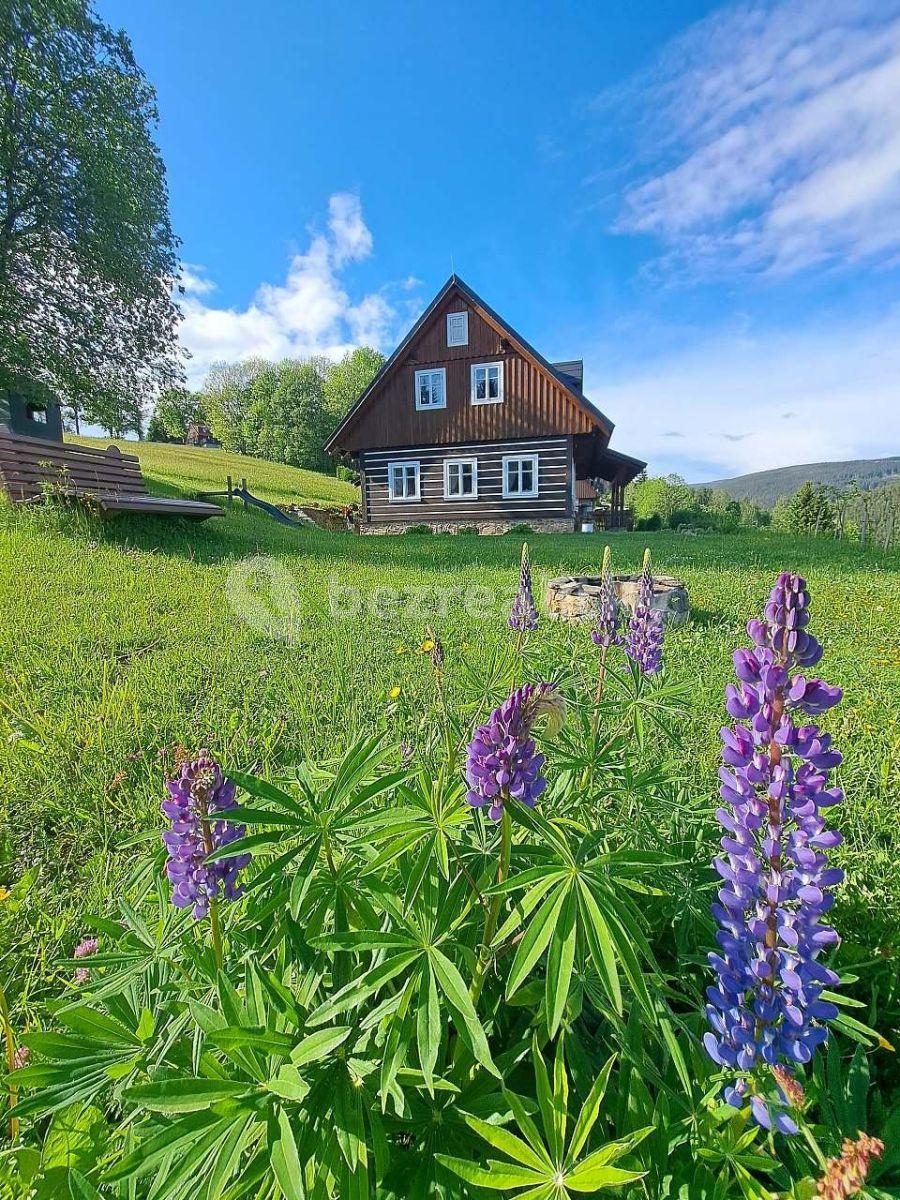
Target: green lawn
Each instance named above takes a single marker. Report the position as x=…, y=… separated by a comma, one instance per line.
x=185, y=470
x=119, y=641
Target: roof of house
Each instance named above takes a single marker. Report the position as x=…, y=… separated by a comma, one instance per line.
x=570, y=378
x=573, y=370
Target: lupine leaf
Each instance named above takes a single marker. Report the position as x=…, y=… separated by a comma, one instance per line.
x=153, y=1150
x=498, y=1179
x=590, y=1110
x=560, y=961
x=428, y=1027
x=184, y=1094
x=319, y=1044
x=525, y=1123
x=359, y=989
x=503, y=1139
x=546, y=1102
x=286, y=1165
x=261, y=787
x=453, y=987
x=590, y=1179
x=535, y=941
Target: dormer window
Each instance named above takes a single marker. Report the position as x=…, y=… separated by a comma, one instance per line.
x=487, y=383
x=431, y=389
x=458, y=329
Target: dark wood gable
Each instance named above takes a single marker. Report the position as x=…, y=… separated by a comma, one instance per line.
x=537, y=401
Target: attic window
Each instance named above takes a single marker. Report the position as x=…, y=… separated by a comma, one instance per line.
x=487, y=383
x=458, y=329
x=431, y=389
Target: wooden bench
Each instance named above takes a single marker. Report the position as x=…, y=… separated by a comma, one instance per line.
x=112, y=480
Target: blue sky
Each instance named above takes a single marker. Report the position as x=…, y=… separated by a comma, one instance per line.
x=701, y=200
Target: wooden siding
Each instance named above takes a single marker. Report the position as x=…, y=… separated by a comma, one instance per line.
x=534, y=404
x=554, y=497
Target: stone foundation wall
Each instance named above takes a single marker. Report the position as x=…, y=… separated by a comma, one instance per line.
x=557, y=525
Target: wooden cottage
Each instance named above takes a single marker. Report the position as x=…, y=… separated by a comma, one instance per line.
x=467, y=424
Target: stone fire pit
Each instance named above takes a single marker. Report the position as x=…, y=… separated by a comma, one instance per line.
x=577, y=597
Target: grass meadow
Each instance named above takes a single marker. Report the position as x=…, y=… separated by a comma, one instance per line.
x=122, y=641
x=184, y=470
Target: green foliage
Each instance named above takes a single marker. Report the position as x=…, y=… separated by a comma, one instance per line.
x=308, y=1059
x=287, y=420
x=346, y=380
x=175, y=411
x=808, y=511
x=84, y=221
x=226, y=401
x=670, y=503
x=285, y=411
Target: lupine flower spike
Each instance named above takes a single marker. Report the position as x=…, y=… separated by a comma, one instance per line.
x=606, y=631
x=501, y=759
x=845, y=1176
x=197, y=797
x=766, y=1008
x=644, y=641
x=524, y=616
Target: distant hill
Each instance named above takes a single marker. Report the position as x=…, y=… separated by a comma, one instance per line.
x=764, y=487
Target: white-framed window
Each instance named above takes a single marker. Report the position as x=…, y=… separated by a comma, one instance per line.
x=404, y=481
x=460, y=478
x=520, y=476
x=487, y=383
x=458, y=329
x=431, y=388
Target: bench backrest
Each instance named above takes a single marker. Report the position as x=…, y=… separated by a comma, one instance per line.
x=29, y=465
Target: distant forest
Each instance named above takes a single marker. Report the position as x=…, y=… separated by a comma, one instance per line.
x=766, y=487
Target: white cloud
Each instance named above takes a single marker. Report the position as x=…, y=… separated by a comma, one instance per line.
x=351, y=237
x=310, y=313
x=193, y=280
x=752, y=402
x=775, y=140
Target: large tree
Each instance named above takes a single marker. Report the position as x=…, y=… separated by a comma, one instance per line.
x=346, y=380
x=288, y=414
x=175, y=412
x=87, y=253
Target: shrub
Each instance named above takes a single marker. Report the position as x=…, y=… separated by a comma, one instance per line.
x=418, y=529
x=648, y=524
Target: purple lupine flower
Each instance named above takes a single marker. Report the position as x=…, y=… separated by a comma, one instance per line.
x=644, y=641
x=501, y=760
x=524, y=615
x=21, y=1057
x=766, y=1009
x=197, y=796
x=606, y=630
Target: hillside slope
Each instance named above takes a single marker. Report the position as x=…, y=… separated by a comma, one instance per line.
x=186, y=470
x=764, y=487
